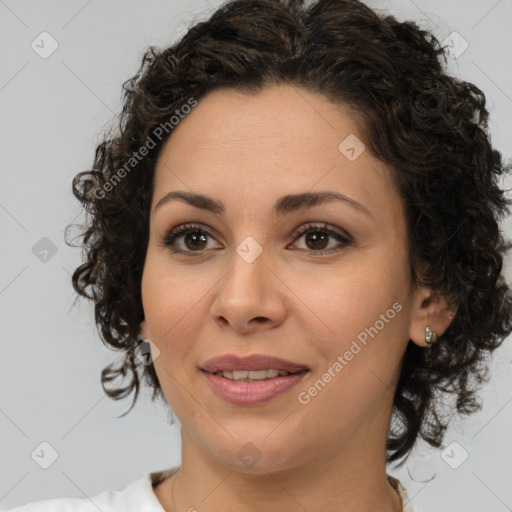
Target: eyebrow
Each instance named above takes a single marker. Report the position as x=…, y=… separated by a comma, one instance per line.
x=283, y=206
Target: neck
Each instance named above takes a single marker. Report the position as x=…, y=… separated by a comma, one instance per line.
x=351, y=479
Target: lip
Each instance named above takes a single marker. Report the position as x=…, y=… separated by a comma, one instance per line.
x=231, y=362
x=252, y=393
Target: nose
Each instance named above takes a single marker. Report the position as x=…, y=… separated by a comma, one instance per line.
x=249, y=296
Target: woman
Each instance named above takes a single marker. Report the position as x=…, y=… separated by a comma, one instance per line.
x=299, y=215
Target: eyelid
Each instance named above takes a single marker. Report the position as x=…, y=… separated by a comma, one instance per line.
x=172, y=234
x=323, y=226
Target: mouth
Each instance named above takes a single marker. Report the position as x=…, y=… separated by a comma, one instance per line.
x=252, y=380
x=256, y=375
x=256, y=366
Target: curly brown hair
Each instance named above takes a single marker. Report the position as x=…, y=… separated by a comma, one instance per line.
x=431, y=128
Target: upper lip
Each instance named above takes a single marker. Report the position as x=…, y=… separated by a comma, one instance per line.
x=231, y=362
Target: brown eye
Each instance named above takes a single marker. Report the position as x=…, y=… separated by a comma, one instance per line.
x=194, y=239
x=316, y=238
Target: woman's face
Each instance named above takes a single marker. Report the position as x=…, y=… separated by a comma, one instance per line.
x=251, y=282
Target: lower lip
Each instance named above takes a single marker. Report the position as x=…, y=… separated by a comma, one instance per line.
x=252, y=393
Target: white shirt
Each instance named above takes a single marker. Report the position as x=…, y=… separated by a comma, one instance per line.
x=138, y=496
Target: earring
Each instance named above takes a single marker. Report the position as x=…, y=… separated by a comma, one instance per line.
x=430, y=336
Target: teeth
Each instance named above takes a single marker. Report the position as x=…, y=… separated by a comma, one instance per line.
x=253, y=375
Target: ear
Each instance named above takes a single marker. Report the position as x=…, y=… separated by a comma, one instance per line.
x=432, y=309
x=144, y=331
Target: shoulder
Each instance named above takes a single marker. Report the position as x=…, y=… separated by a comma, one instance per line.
x=399, y=488
x=56, y=505
x=137, y=496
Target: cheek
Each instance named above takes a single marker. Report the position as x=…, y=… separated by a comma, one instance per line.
x=168, y=296
x=359, y=365
x=175, y=306
x=365, y=321
x=353, y=297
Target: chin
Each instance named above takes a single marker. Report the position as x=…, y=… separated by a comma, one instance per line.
x=256, y=454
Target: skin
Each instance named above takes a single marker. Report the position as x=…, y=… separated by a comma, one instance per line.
x=329, y=454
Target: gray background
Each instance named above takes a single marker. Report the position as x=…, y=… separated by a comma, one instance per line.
x=53, y=111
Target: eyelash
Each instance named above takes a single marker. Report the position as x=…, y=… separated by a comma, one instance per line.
x=170, y=238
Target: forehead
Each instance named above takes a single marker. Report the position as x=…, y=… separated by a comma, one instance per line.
x=260, y=146
x=279, y=118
